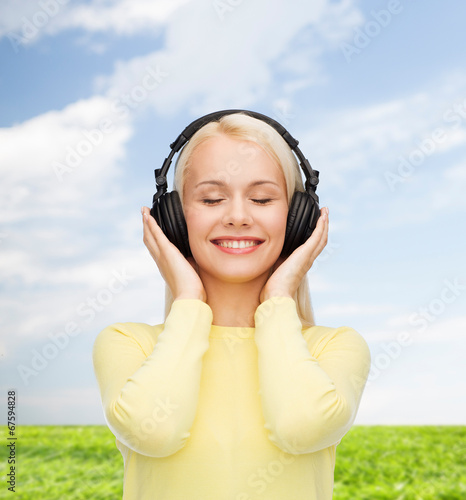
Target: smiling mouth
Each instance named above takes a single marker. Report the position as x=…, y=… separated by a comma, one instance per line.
x=237, y=243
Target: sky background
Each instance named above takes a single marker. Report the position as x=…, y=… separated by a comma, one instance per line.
x=93, y=93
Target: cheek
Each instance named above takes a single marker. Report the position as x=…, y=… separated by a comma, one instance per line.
x=277, y=223
x=193, y=222
x=199, y=226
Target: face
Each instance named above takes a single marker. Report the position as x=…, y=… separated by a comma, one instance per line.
x=236, y=208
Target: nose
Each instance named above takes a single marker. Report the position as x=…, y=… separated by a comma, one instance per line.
x=237, y=213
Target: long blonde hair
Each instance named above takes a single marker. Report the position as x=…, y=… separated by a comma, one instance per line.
x=246, y=128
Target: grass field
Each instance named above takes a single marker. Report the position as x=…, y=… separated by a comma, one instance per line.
x=373, y=463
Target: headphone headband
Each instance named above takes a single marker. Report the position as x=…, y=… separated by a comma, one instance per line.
x=312, y=176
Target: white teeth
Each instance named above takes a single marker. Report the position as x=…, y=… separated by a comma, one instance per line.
x=237, y=244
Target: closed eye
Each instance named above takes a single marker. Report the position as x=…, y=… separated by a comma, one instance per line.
x=210, y=202
x=263, y=201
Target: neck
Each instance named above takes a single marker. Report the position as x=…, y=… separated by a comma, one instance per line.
x=234, y=304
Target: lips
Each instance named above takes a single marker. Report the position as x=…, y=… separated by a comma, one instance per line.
x=237, y=244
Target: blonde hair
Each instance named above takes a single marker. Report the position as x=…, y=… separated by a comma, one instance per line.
x=243, y=127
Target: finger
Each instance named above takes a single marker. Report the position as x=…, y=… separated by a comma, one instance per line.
x=151, y=222
x=160, y=237
x=149, y=236
x=319, y=237
x=309, y=246
x=152, y=227
x=319, y=231
x=323, y=235
x=156, y=234
x=322, y=227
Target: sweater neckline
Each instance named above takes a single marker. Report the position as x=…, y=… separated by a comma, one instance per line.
x=242, y=332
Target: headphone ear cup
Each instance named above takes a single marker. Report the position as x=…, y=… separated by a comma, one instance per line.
x=181, y=229
x=303, y=215
x=290, y=227
x=168, y=212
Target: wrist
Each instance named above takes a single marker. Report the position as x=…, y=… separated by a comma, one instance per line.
x=272, y=294
x=191, y=295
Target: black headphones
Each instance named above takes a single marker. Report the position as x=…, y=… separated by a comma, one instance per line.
x=303, y=212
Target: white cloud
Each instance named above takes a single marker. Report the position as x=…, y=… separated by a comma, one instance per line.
x=200, y=21
x=124, y=17
x=358, y=149
x=338, y=22
x=30, y=269
x=70, y=405
x=126, y=289
x=229, y=60
x=413, y=404
x=48, y=223
x=32, y=152
x=418, y=384
x=354, y=309
x=374, y=137
x=456, y=173
x=438, y=330
x=450, y=193
x=26, y=22
x=14, y=14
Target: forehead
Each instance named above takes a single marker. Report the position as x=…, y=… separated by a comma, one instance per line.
x=232, y=161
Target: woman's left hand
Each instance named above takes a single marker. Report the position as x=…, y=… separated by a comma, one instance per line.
x=288, y=273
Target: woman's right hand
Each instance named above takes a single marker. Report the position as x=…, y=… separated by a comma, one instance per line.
x=178, y=271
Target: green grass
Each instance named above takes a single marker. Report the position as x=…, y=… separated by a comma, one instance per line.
x=402, y=463
x=69, y=462
x=373, y=463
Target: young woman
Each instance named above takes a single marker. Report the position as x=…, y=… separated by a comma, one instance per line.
x=238, y=395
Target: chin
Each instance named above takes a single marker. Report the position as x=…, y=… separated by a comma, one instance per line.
x=235, y=273
x=235, y=268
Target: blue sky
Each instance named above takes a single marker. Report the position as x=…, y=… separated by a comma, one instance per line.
x=92, y=94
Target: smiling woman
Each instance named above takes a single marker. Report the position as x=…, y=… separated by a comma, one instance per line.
x=253, y=212
x=238, y=395
x=254, y=139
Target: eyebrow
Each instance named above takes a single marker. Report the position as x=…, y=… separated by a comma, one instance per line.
x=222, y=183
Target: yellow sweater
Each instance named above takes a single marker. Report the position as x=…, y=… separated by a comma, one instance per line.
x=207, y=412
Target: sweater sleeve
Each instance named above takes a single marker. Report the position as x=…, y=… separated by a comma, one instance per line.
x=150, y=398
x=309, y=403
